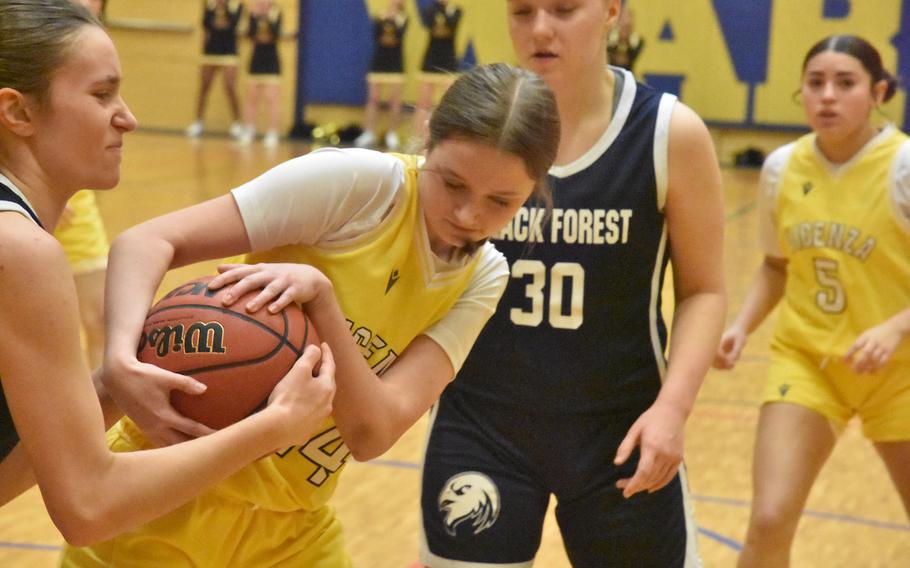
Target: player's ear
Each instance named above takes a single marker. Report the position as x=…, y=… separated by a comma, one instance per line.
x=879, y=88
x=16, y=112
x=614, y=7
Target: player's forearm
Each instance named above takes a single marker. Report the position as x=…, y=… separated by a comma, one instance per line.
x=765, y=292
x=135, y=269
x=117, y=492
x=358, y=394
x=697, y=326
x=901, y=322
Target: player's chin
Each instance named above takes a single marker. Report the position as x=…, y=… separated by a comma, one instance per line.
x=109, y=180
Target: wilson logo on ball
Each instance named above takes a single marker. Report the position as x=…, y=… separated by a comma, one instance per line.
x=198, y=337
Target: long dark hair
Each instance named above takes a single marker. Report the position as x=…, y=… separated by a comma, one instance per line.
x=863, y=52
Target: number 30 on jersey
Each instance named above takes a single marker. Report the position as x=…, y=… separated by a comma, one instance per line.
x=565, y=311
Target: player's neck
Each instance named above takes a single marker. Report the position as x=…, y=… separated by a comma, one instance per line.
x=841, y=151
x=585, y=111
x=46, y=200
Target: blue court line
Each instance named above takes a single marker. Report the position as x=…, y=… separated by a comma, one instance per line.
x=740, y=211
x=810, y=513
x=850, y=519
x=30, y=546
x=726, y=541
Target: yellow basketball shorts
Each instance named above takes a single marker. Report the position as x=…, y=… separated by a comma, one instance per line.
x=215, y=531
x=831, y=388
x=82, y=234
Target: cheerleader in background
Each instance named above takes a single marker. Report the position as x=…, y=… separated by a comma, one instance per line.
x=386, y=71
x=265, y=71
x=219, y=22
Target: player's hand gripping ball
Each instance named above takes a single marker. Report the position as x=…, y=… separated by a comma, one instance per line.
x=240, y=356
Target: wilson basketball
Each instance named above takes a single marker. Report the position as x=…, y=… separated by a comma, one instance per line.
x=239, y=355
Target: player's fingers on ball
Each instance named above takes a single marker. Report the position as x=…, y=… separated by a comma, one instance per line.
x=189, y=385
x=176, y=437
x=327, y=367
x=226, y=266
x=311, y=356
x=283, y=301
x=228, y=273
x=192, y=428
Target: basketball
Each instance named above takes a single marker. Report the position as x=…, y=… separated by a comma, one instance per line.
x=240, y=356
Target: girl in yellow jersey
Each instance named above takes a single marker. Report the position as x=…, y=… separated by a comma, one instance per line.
x=835, y=218
x=389, y=254
x=62, y=128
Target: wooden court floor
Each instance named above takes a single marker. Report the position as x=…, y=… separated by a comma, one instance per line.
x=853, y=518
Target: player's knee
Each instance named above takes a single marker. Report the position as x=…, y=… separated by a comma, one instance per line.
x=773, y=521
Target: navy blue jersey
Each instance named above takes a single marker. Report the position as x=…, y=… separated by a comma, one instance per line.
x=579, y=328
x=8, y=436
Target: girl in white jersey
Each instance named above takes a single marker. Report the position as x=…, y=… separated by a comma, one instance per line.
x=835, y=229
x=62, y=123
x=389, y=255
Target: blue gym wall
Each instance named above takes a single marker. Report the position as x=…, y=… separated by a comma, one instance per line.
x=736, y=62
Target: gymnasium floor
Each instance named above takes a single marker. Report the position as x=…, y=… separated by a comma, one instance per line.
x=853, y=517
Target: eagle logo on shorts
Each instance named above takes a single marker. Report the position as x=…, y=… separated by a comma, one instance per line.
x=469, y=496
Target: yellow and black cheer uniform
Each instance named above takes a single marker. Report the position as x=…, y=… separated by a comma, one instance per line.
x=82, y=235
x=220, y=24
x=390, y=288
x=11, y=200
x=442, y=20
x=265, y=31
x=845, y=232
x=388, y=64
x=622, y=52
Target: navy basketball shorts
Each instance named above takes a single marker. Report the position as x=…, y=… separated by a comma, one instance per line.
x=487, y=479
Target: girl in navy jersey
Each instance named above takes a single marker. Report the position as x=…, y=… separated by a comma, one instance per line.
x=636, y=184
x=835, y=230
x=62, y=123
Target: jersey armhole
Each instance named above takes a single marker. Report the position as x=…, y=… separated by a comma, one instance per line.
x=899, y=187
x=661, y=147
x=772, y=174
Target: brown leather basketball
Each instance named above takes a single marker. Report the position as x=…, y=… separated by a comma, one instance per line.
x=239, y=355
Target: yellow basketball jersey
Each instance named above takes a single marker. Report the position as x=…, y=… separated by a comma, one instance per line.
x=82, y=234
x=849, y=259
x=389, y=291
